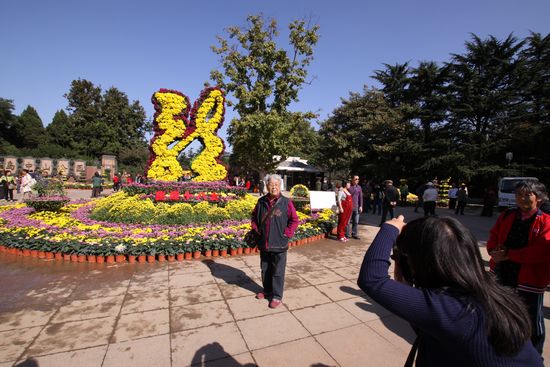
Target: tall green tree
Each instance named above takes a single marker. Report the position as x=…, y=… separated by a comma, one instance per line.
x=29, y=129
x=395, y=81
x=104, y=122
x=61, y=131
x=264, y=79
x=7, y=119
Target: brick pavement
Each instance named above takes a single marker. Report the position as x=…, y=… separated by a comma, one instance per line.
x=199, y=312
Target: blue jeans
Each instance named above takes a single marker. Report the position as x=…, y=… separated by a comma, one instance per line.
x=353, y=221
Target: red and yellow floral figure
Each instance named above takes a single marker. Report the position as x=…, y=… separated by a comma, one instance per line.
x=172, y=125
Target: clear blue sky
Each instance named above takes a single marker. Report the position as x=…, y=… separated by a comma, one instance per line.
x=140, y=46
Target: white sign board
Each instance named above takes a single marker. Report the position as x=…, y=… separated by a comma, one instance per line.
x=322, y=199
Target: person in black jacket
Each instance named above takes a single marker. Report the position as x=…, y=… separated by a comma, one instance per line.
x=274, y=219
x=391, y=196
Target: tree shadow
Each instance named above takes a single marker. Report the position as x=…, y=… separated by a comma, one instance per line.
x=392, y=322
x=215, y=352
x=231, y=275
x=29, y=362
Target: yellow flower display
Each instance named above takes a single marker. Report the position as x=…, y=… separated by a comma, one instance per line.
x=172, y=125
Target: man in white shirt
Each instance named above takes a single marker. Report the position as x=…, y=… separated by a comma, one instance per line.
x=452, y=196
x=430, y=199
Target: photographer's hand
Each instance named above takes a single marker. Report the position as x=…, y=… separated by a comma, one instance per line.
x=398, y=222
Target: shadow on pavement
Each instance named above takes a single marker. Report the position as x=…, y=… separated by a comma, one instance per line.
x=29, y=362
x=395, y=324
x=231, y=275
x=215, y=351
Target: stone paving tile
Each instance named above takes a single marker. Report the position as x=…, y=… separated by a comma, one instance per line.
x=192, y=295
x=153, y=284
x=91, y=357
x=233, y=262
x=99, y=292
x=270, y=330
x=364, y=309
x=188, y=267
x=304, y=297
x=396, y=330
x=293, y=281
x=341, y=290
x=206, y=344
x=24, y=318
x=323, y=318
x=233, y=275
x=300, y=267
x=199, y=315
x=321, y=276
x=89, y=309
x=147, y=352
x=248, y=307
x=331, y=263
x=142, y=324
x=14, y=342
x=348, y=272
x=300, y=353
x=145, y=300
x=7, y=364
x=360, y=345
x=241, y=360
x=191, y=280
x=72, y=335
x=245, y=289
x=51, y=295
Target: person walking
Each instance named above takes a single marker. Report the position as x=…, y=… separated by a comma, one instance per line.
x=96, y=185
x=419, y=197
x=345, y=206
x=519, y=246
x=429, y=197
x=357, y=207
x=12, y=184
x=377, y=196
x=274, y=219
x=404, y=192
x=391, y=195
x=461, y=199
x=27, y=182
x=451, y=195
x=461, y=316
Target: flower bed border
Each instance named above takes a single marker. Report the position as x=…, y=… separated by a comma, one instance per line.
x=150, y=258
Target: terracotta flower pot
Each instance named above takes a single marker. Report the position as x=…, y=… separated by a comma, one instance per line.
x=161, y=258
x=131, y=259
x=74, y=257
x=215, y=253
x=120, y=258
x=110, y=259
x=34, y=253
x=240, y=251
x=151, y=258
x=41, y=254
x=26, y=252
x=142, y=258
x=58, y=256
x=2, y=248
x=188, y=255
x=81, y=258
x=179, y=257
x=12, y=250
x=171, y=258
x=223, y=252
x=247, y=250
x=207, y=253
x=49, y=255
x=100, y=259
x=92, y=258
x=197, y=254
x=233, y=252
x=66, y=257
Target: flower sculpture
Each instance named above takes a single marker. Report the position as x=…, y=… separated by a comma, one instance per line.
x=172, y=125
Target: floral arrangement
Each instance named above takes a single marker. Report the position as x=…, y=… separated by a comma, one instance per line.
x=299, y=191
x=72, y=230
x=172, y=125
x=192, y=187
x=48, y=203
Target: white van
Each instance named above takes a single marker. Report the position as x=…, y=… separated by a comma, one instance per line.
x=506, y=190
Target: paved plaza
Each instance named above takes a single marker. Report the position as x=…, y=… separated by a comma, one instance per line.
x=203, y=312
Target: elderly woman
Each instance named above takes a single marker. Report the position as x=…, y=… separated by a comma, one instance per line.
x=274, y=219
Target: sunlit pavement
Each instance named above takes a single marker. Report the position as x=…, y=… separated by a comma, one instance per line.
x=202, y=312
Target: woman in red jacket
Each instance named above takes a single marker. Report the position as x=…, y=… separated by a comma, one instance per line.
x=519, y=245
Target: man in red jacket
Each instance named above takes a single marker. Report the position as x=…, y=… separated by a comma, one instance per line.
x=519, y=245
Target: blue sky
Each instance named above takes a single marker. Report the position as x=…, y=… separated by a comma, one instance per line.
x=141, y=46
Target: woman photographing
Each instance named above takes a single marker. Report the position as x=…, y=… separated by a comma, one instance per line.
x=461, y=315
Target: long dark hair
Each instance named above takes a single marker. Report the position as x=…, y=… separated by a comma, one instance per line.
x=440, y=253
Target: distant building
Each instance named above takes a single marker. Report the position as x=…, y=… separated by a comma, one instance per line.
x=295, y=170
